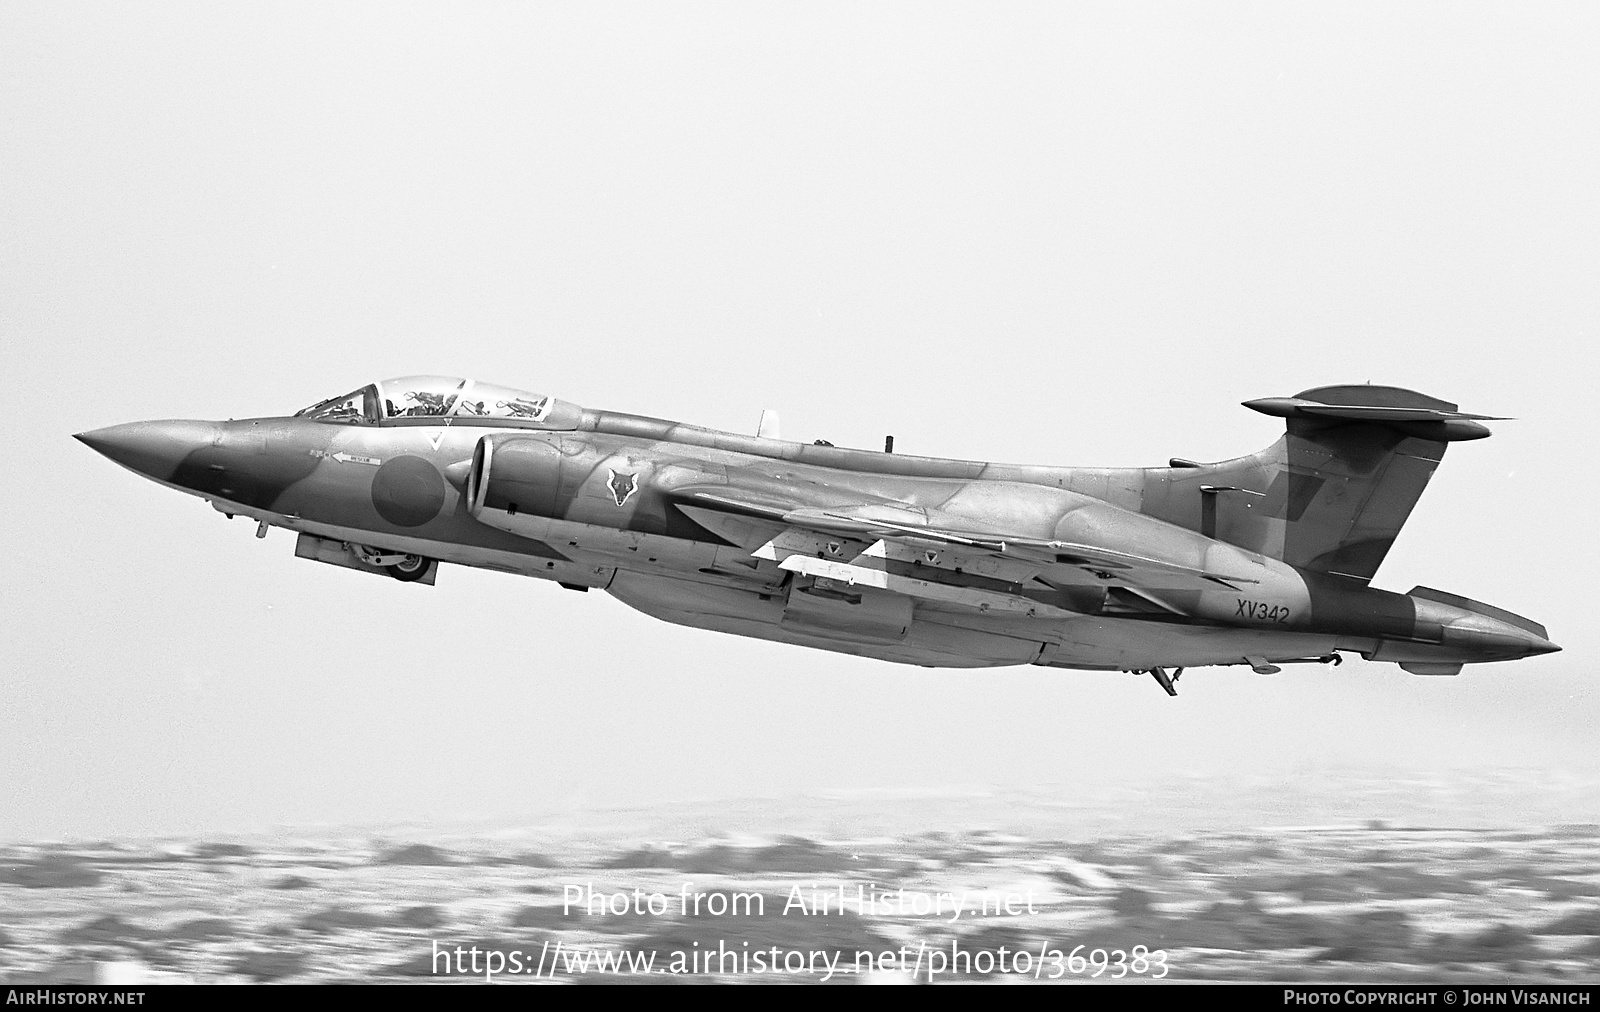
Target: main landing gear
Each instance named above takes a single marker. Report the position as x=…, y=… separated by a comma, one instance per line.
x=1260, y=665
x=1168, y=683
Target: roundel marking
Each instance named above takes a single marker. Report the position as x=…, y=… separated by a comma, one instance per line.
x=407, y=491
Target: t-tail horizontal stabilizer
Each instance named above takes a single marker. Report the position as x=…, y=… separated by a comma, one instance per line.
x=1405, y=410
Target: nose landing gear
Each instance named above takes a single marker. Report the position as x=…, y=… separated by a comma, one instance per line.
x=402, y=566
x=412, y=567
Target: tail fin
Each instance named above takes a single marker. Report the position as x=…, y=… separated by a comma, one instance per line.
x=1332, y=494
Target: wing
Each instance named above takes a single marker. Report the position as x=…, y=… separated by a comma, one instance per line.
x=1063, y=560
x=872, y=536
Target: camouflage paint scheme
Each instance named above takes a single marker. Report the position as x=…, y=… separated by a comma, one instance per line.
x=1261, y=560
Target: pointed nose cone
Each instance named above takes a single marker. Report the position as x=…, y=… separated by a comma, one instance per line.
x=153, y=449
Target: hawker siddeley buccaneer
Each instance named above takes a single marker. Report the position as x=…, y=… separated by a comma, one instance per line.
x=1261, y=560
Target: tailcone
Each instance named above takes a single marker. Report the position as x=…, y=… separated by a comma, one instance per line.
x=1541, y=646
x=1496, y=642
x=1478, y=631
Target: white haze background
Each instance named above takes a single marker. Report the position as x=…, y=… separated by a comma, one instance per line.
x=1057, y=233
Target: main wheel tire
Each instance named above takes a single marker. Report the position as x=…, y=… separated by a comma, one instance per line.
x=412, y=567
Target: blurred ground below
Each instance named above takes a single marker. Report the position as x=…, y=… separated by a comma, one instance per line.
x=1484, y=877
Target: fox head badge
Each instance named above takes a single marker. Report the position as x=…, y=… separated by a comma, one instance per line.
x=622, y=486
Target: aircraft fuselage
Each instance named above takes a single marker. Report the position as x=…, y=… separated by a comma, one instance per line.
x=916, y=560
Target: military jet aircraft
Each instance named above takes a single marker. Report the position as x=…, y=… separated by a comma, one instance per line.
x=1261, y=560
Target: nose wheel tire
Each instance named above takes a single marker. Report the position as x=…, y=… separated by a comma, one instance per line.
x=412, y=567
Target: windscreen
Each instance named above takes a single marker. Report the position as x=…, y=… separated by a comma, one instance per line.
x=358, y=407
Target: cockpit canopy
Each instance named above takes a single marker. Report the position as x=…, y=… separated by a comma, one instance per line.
x=426, y=399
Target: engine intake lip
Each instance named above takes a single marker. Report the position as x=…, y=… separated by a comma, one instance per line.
x=477, y=485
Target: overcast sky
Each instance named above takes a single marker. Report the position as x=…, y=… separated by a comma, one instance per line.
x=1054, y=233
